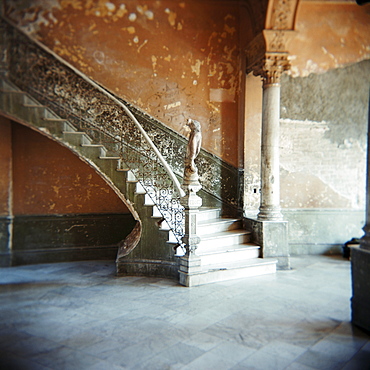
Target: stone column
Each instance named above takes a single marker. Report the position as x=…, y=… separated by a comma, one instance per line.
x=273, y=66
x=268, y=229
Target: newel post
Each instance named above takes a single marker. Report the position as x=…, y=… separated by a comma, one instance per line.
x=190, y=263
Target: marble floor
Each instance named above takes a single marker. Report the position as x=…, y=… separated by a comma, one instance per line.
x=80, y=316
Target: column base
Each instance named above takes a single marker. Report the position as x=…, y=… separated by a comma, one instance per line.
x=360, y=301
x=270, y=214
x=272, y=236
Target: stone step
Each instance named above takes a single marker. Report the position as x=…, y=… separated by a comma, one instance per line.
x=30, y=102
x=206, y=214
x=93, y=151
x=229, y=271
x=218, y=225
x=76, y=138
x=109, y=165
x=57, y=128
x=239, y=252
x=7, y=86
x=210, y=242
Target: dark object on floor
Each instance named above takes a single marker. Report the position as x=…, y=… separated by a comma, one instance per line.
x=346, y=247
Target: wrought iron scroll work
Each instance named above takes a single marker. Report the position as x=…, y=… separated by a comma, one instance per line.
x=91, y=109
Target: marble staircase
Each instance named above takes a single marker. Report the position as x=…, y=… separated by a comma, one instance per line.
x=225, y=251
x=21, y=107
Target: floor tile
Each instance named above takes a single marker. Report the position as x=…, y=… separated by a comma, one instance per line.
x=263, y=361
x=80, y=315
x=319, y=360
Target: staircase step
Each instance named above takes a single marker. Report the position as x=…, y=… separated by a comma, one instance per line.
x=139, y=188
x=218, y=225
x=34, y=106
x=55, y=127
x=7, y=86
x=229, y=271
x=93, y=151
x=76, y=138
x=208, y=214
x=54, y=119
x=211, y=242
x=111, y=158
x=8, y=90
x=30, y=101
x=239, y=252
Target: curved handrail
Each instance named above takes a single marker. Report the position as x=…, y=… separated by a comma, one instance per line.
x=110, y=96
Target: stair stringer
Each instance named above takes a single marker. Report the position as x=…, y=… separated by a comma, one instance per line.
x=145, y=250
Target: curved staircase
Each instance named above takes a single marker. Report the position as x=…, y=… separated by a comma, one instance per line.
x=226, y=251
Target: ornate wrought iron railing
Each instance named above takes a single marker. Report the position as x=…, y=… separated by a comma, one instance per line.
x=104, y=117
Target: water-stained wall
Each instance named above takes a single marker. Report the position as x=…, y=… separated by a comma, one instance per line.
x=49, y=179
x=323, y=138
x=324, y=105
x=174, y=59
x=53, y=206
x=330, y=34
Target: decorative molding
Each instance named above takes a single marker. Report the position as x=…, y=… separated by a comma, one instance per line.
x=278, y=40
x=272, y=67
x=267, y=53
x=281, y=14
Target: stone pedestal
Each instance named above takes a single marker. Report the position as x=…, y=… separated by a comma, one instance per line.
x=272, y=236
x=360, y=263
x=190, y=263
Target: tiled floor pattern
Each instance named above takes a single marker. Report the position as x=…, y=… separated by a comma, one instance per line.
x=80, y=316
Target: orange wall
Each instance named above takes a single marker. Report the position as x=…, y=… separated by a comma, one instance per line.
x=49, y=179
x=5, y=165
x=329, y=35
x=174, y=59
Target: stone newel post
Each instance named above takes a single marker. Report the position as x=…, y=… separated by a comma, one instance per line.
x=190, y=263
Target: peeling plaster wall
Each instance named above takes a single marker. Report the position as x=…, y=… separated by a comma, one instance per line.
x=53, y=206
x=174, y=59
x=49, y=179
x=329, y=35
x=323, y=138
x=324, y=104
x=323, y=130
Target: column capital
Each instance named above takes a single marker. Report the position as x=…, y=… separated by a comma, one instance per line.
x=272, y=67
x=268, y=56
